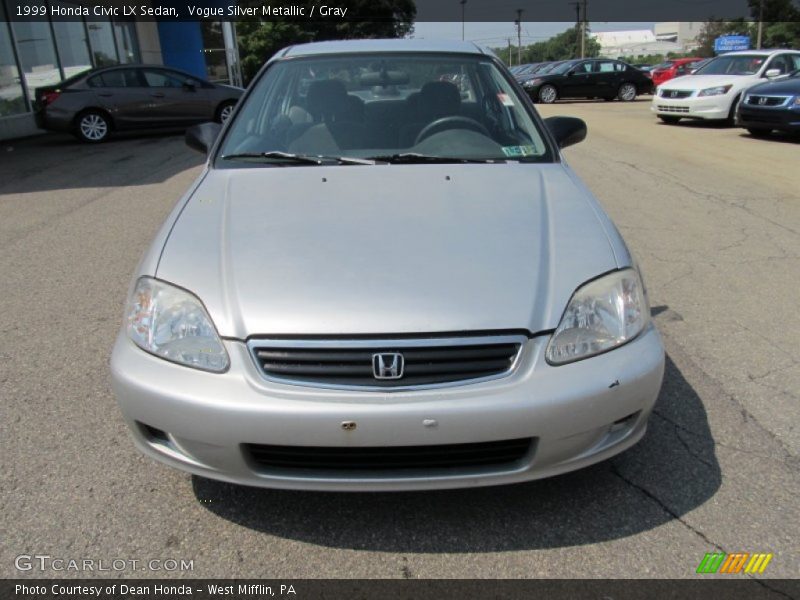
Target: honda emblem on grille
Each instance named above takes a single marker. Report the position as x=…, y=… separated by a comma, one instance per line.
x=762, y=100
x=387, y=365
x=674, y=94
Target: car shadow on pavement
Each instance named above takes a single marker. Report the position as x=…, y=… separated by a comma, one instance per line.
x=672, y=471
x=58, y=161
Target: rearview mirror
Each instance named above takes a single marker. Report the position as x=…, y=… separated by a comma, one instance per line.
x=201, y=137
x=566, y=130
x=772, y=73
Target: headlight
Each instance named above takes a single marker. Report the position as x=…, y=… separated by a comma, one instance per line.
x=601, y=315
x=796, y=101
x=716, y=91
x=532, y=82
x=173, y=324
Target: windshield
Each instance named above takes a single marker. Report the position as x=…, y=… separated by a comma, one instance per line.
x=374, y=106
x=741, y=64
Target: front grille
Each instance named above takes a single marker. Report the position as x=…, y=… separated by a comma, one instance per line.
x=677, y=94
x=766, y=100
x=673, y=109
x=353, y=363
x=382, y=458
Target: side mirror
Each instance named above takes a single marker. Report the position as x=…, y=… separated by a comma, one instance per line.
x=771, y=73
x=201, y=137
x=189, y=87
x=570, y=73
x=566, y=130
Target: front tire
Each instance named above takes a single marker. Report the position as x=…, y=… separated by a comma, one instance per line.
x=669, y=120
x=759, y=133
x=92, y=127
x=224, y=111
x=627, y=92
x=548, y=94
x=731, y=120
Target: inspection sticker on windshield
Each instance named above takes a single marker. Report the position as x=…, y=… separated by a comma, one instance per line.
x=505, y=99
x=517, y=151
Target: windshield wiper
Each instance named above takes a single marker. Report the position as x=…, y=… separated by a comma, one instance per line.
x=304, y=159
x=275, y=155
x=414, y=157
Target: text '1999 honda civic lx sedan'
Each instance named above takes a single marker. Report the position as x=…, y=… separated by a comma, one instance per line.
x=385, y=280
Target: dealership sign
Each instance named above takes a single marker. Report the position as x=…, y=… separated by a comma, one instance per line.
x=729, y=43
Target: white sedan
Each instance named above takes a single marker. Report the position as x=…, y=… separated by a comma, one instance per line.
x=714, y=90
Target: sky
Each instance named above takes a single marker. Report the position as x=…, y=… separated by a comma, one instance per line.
x=495, y=35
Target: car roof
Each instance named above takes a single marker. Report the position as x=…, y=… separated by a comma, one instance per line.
x=389, y=45
x=762, y=52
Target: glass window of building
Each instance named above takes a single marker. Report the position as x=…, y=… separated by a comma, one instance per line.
x=101, y=39
x=12, y=99
x=37, y=54
x=127, y=46
x=72, y=44
x=214, y=51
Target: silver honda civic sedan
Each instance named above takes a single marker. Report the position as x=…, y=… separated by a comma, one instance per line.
x=386, y=278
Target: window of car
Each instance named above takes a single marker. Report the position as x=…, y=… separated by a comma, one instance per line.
x=738, y=64
x=794, y=60
x=378, y=105
x=582, y=68
x=117, y=78
x=157, y=78
x=782, y=62
x=609, y=66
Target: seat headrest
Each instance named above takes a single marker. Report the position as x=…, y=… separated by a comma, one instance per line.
x=439, y=98
x=326, y=98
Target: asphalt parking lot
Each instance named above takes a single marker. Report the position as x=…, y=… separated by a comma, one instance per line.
x=713, y=217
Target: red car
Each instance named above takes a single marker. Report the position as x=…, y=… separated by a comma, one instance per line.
x=672, y=68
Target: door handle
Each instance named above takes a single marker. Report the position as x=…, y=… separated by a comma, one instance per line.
x=157, y=94
x=105, y=94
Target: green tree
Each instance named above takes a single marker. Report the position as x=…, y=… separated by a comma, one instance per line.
x=713, y=28
x=781, y=26
x=562, y=46
x=259, y=40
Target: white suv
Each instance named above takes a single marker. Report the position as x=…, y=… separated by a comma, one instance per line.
x=713, y=91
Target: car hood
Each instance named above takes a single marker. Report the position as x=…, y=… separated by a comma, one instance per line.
x=388, y=249
x=701, y=82
x=785, y=85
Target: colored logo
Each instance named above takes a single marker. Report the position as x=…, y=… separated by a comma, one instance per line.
x=737, y=562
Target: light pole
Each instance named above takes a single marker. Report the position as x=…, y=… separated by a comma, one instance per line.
x=463, y=4
x=519, y=36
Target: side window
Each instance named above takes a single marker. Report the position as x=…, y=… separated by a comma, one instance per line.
x=163, y=79
x=584, y=67
x=620, y=67
x=606, y=66
x=779, y=62
x=118, y=78
x=794, y=59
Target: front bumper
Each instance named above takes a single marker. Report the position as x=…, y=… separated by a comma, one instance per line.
x=694, y=107
x=781, y=118
x=578, y=414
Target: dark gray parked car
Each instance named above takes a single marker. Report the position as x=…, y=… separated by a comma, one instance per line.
x=96, y=102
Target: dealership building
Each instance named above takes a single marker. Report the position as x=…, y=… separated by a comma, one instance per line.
x=43, y=51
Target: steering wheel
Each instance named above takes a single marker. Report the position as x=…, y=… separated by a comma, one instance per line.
x=452, y=122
